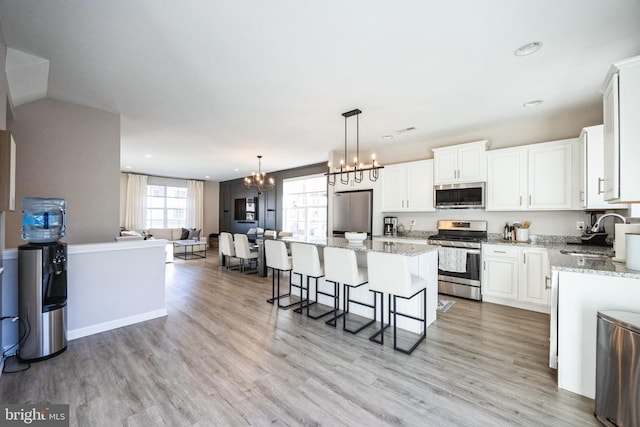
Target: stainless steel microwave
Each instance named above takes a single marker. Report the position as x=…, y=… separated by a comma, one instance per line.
x=459, y=196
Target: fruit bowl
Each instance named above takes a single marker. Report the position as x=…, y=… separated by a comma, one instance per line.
x=354, y=237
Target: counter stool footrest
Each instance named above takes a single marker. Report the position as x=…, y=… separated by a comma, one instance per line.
x=395, y=313
x=381, y=333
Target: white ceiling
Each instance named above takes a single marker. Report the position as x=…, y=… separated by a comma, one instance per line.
x=203, y=86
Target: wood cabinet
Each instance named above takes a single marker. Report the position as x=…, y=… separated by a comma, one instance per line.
x=541, y=176
x=516, y=276
x=621, y=109
x=7, y=172
x=460, y=163
x=592, y=176
x=408, y=187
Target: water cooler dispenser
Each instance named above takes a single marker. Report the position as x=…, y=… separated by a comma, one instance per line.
x=42, y=280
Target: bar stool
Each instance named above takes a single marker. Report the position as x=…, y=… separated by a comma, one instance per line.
x=243, y=250
x=389, y=273
x=227, y=247
x=306, y=262
x=278, y=260
x=341, y=266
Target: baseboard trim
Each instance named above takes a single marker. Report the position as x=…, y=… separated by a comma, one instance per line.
x=115, y=324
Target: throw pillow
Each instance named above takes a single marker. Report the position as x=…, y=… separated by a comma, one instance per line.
x=185, y=234
x=194, y=234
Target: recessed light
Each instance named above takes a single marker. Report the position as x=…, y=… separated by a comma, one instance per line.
x=387, y=137
x=148, y=156
x=236, y=170
x=207, y=177
x=127, y=167
x=532, y=103
x=528, y=49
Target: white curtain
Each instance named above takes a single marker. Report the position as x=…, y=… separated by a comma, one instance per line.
x=195, y=204
x=136, y=204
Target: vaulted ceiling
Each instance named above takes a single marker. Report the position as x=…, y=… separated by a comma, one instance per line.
x=203, y=86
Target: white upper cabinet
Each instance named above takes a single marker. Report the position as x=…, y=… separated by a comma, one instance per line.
x=592, y=179
x=541, y=176
x=621, y=103
x=408, y=187
x=460, y=163
x=506, y=179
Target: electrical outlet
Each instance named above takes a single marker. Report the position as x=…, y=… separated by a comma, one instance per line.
x=580, y=225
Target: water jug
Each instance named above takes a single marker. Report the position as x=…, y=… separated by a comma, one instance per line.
x=43, y=219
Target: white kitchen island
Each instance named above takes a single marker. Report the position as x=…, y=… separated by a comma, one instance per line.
x=423, y=261
x=581, y=288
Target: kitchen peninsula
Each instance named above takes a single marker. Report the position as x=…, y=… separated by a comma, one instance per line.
x=423, y=262
x=580, y=287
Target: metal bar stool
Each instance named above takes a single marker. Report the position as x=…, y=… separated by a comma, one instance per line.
x=389, y=273
x=306, y=262
x=278, y=260
x=341, y=266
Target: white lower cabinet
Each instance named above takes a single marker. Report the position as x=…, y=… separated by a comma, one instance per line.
x=516, y=276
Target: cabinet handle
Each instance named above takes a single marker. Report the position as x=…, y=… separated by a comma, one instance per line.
x=500, y=252
x=546, y=282
x=529, y=199
x=484, y=265
x=600, y=180
x=524, y=258
x=520, y=200
x=582, y=196
x=407, y=204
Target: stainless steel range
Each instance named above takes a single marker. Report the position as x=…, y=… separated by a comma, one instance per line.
x=459, y=257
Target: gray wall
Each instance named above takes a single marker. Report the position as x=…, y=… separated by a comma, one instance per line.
x=73, y=152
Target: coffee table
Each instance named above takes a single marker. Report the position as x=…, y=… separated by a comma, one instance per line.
x=187, y=249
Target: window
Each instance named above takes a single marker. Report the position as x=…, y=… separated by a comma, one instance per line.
x=305, y=206
x=166, y=206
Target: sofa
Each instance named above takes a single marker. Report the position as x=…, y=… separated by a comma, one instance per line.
x=170, y=234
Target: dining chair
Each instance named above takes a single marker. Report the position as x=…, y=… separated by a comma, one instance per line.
x=243, y=251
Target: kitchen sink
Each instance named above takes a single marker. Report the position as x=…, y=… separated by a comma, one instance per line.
x=586, y=254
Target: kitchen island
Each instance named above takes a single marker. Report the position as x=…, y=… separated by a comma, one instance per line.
x=423, y=262
x=580, y=287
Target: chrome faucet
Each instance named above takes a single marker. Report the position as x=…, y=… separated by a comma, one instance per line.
x=596, y=226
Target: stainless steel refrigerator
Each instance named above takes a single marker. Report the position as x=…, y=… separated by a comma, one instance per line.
x=352, y=211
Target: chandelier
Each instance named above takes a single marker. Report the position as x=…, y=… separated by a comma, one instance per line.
x=358, y=168
x=259, y=181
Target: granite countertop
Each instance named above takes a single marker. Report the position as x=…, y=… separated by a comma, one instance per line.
x=560, y=261
x=408, y=249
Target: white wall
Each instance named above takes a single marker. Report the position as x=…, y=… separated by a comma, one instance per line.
x=73, y=152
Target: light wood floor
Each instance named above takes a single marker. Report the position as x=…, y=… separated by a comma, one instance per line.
x=224, y=356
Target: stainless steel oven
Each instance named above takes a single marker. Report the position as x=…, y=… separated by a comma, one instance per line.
x=459, y=257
